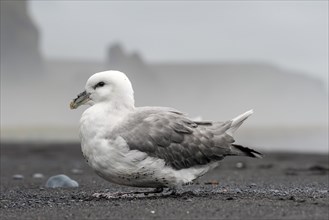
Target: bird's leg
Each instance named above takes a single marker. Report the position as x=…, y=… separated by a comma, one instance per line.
x=156, y=190
x=172, y=191
x=110, y=195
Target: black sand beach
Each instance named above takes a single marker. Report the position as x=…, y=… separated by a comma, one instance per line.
x=280, y=186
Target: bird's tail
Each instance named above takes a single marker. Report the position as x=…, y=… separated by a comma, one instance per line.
x=239, y=149
x=244, y=151
x=237, y=122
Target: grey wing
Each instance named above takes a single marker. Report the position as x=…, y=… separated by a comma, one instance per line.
x=171, y=136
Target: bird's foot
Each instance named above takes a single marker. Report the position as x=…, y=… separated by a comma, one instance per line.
x=134, y=194
x=171, y=191
x=113, y=195
x=156, y=190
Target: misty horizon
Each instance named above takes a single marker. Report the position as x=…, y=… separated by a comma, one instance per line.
x=271, y=32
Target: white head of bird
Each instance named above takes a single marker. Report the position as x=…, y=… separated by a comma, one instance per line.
x=112, y=88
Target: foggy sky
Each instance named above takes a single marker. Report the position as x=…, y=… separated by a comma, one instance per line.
x=293, y=35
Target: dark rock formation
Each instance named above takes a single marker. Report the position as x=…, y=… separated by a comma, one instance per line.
x=138, y=71
x=20, y=54
x=120, y=60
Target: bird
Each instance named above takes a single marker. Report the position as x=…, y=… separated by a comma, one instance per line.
x=149, y=147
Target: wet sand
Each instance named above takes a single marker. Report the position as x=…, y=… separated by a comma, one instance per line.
x=280, y=186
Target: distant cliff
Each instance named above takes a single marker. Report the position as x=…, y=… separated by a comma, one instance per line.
x=279, y=97
x=20, y=54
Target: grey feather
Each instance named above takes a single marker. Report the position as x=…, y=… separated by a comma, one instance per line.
x=170, y=135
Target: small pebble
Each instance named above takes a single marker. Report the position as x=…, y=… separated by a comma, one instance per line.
x=18, y=177
x=38, y=176
x=237, y=190
x=61, y=181
x=76, y=171
x=274, y=191
x=240, y=165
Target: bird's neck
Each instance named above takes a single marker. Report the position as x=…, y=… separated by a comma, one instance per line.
x=107, y=113
x=120, y=105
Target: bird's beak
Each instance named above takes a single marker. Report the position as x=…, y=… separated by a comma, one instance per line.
x=82, y=98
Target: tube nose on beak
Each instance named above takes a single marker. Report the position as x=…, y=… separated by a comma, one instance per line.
x=81, y=99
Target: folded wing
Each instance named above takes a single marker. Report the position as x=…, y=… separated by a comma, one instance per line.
x=170, y=135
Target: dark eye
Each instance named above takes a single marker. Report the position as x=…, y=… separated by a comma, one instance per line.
x=100, y=84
